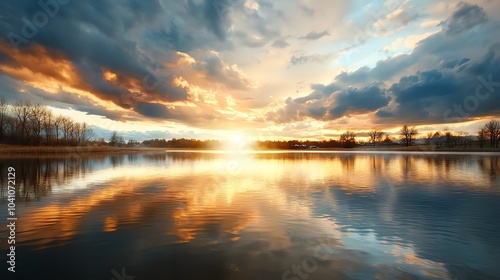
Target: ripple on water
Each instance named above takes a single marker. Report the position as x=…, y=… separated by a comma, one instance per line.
x=385, y=216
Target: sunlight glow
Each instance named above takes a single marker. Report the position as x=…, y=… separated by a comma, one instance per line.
x=238, y=142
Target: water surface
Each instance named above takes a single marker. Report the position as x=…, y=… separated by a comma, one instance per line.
x=273, y=215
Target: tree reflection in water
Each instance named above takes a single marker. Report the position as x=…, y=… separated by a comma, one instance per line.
x=36, y=176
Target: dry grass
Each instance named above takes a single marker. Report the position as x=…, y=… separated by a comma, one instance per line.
x=12, y=150
x=428, y=148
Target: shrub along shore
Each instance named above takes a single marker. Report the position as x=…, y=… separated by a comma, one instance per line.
x=13, y=150
x=16, y=150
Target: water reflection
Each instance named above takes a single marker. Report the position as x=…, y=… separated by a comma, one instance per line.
x=388, y=215
x=35, y=176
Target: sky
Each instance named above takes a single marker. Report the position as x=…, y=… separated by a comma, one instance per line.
x=212, y=69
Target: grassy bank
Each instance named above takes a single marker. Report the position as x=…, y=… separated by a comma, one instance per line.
x=12, y=150
x=427, y=148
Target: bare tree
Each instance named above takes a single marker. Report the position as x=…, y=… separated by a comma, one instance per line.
x=86, y=133
x=76, y=133
x=66, y=128
x=413, y=134
x=113, y=140
x=492, y=129
x=27, y=124
x=132, y=143
x=482, y=135
x=464, y=138
x=10, y=127
x=48, y=125
x=121, y=141
x=57, y=126
x=348, y=138
x=22, y=111
x=428, y=138
x=437, y=139
x=375, y=136
x=4, y=111
x=380, y=137
x=449, y=138
x=36, y=122
x=407, y=134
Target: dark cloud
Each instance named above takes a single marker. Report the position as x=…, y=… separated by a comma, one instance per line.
x=153, y=110
x=315, y=35
x=452, y=63
x=359, y=101
x=136, y=41
x=436, y=83
x=465, y=18
x=383, y=70
x=425, y=84
x=361, y=75
x=327, y=103
x=64, y=100
x=440, y=46
x=92, y=39
x=10, y=88
x=484, y=65
x=213, y=14
x=446, y=95
x=317, y=112
x=216, y=70
x=319, y=92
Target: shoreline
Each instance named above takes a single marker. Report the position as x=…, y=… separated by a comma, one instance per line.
x=14, y=150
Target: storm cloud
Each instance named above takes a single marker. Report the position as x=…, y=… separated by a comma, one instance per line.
x=113, y=50
x=436, y=83
x=253, y=63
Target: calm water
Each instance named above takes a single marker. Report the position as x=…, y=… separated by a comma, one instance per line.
x=201, y=215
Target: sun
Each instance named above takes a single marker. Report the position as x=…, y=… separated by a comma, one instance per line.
x=238, y=142
x=237, y=139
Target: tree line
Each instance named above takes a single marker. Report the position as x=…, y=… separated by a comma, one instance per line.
x=490, y=131
x=33, y=124
x=182, y=143
x=487, y=136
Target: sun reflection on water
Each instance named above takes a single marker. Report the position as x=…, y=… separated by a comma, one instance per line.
x=194, y=198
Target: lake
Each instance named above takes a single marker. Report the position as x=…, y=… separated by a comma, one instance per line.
x=255, y=215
